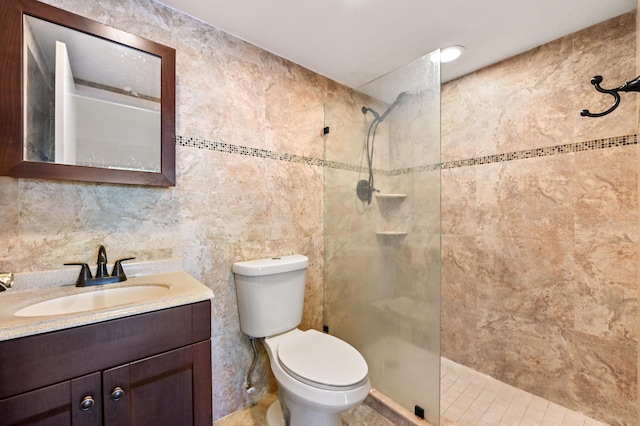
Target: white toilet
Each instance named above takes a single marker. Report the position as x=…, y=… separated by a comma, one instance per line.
x=319, y=376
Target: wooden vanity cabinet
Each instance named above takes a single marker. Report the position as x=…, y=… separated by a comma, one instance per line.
x=147, y=369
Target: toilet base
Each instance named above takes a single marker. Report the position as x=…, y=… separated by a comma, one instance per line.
x=274, y=415
x=300, y=417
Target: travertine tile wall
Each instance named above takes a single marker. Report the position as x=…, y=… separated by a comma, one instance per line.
x=246, y=199
x=540, y=254
x=638, y=171
x=547, y=300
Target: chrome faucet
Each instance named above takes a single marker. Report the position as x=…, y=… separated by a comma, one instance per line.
x=102, y=275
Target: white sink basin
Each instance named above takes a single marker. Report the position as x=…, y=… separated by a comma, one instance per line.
x=98, y=299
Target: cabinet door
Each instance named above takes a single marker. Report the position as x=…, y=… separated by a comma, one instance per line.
x=86, y=400
x=165, y=389
x=73, y=402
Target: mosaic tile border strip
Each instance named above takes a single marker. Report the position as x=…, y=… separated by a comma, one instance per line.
x=544, y=152
x=488, y=159
x=417, y=169
x=263, y=153
x=244, y=150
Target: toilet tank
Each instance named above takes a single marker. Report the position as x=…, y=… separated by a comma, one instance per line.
x=270, y=294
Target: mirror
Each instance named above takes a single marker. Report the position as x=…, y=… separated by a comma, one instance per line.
x=83, y=101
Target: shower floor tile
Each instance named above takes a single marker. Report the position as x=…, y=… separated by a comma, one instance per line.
x=469, y=398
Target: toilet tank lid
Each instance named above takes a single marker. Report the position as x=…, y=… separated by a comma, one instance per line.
x=271, y=265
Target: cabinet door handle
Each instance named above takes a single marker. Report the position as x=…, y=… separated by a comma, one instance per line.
x=117, y=393
x=87, y=403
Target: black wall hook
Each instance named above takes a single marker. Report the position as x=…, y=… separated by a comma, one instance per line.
x=629, y=86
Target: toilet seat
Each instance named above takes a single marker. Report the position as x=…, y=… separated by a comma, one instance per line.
x=322, y=361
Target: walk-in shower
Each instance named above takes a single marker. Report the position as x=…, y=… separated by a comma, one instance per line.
x=382, y=241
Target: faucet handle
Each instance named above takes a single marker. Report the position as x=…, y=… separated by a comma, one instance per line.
x=85, y=273
x=117, y=269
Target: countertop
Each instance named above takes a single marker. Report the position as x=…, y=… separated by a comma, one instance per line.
x=184, y=289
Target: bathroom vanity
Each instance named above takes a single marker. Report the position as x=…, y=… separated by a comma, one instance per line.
x=144, y=363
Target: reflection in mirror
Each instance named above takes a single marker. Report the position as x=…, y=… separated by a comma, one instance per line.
x=83, y=101
x=89, y=101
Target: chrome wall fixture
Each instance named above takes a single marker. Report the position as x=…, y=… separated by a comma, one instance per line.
x=629, y=86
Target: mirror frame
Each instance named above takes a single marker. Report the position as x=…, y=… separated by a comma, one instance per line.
x=12, y=162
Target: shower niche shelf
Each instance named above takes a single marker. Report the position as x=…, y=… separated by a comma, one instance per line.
x=391, y=233
x=391, y=196
x=389, y=209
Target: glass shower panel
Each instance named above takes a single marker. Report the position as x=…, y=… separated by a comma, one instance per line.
x=382, y=258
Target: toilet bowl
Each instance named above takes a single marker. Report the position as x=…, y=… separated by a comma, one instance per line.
x=319, y=376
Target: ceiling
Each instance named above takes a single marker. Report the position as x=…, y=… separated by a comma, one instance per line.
x=356, y=41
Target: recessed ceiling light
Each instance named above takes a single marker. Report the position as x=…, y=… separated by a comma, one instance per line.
x=446, y=54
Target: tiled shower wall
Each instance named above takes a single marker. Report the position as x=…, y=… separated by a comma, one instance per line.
x=540, y=223
x=249, y=184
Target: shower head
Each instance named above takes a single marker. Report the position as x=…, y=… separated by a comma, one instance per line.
x=401, y=97
x=380, y=118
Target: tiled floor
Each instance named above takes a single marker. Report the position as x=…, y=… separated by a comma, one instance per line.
x=256, y=416
x=469, y=398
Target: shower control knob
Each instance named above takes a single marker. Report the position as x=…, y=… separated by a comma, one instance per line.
x=117, y=393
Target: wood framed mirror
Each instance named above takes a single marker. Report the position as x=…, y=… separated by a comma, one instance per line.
x=83, y=101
